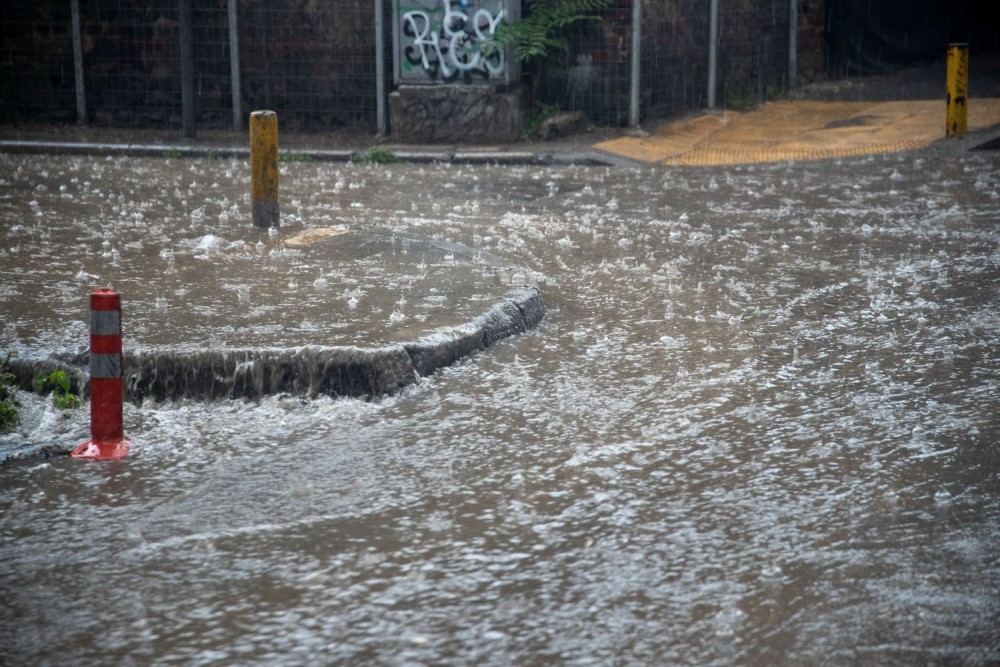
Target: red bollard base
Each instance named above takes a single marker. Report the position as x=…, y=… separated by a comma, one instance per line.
x=102, y=450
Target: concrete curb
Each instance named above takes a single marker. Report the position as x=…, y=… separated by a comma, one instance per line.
x=404, y=154
x=332, y=371
x=338, y=371
x=305, y=371
x=46, y=450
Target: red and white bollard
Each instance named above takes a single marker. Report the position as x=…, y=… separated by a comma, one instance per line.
x=107, y=437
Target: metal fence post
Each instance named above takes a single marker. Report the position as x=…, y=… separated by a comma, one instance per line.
x=793, y=41
x=633, y=107
x=234, y=64
x=81, y=97
x=713, y=47
x=187, y=70
x=380, y=66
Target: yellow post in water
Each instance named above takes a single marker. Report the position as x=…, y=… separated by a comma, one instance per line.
x=264, y=168
x=958, y=89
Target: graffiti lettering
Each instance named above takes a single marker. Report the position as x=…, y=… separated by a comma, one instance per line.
x=445, y=42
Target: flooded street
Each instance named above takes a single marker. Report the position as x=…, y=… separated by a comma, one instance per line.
x=757, y=426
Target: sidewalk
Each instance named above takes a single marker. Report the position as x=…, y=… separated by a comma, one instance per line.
x=836, y=118
x=800, y=130
x=338, y=145
x=899, y=111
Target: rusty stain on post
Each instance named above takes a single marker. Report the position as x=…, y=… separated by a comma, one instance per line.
x=958, y=89
x=264, y=168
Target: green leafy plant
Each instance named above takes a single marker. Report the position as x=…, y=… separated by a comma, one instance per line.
x=62, y=396
x=739, y=97
x=173, y=154
x=538, y=115
x=376, y=155
x=774, y=91
x=8, y=415
x=541, y=38
x=211, y=154
x=287, y=157
x=8, y=400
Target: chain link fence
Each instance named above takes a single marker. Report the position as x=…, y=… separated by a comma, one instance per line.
x=674, y=57
x=315, y=62
x=753, y=51
x=752, y=56
x=36, y=61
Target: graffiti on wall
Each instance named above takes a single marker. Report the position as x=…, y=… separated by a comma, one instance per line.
x=441, y=41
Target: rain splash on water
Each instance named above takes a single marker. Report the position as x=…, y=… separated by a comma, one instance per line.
x=757, y=426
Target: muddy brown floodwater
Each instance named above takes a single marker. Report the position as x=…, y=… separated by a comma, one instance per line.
x=758, y=425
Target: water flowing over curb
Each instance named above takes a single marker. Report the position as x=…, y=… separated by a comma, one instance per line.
x=305, y=371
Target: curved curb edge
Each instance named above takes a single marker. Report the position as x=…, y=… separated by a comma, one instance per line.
x=309, y=371
x=305, y=371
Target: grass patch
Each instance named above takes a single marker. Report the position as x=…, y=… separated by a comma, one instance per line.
x=376, y=155
x=173, y=154
x=287, y=157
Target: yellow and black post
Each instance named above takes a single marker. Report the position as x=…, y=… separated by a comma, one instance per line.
x=264, y=168
x=958, y=89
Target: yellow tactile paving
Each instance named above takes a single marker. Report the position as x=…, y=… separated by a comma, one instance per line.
x=800, y=130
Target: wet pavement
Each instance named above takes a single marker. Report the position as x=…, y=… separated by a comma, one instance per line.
x=336, y=304
x=756, y=426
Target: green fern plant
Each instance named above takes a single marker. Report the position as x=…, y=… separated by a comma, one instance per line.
x=541, y=39
x=543, y=32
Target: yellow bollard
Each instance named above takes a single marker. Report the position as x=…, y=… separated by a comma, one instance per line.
x=958, y=89
x=264, y=168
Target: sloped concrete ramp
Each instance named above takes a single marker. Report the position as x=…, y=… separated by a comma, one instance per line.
x=799, y=130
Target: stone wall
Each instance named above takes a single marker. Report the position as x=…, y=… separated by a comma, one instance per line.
x=447, y=114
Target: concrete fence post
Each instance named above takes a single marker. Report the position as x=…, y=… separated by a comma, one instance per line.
x=187, y=69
